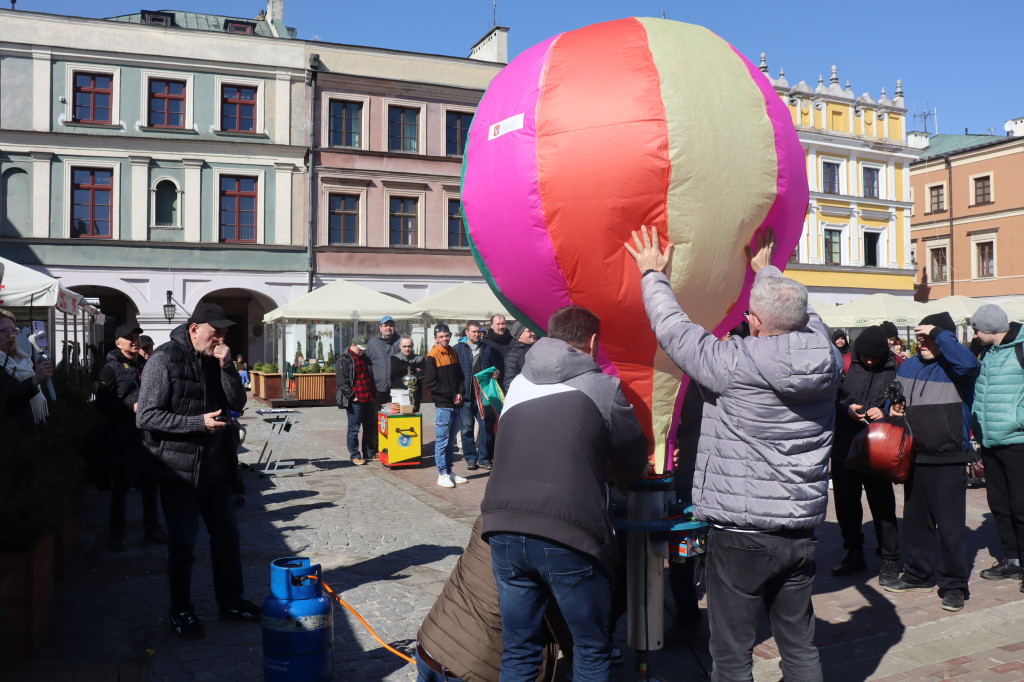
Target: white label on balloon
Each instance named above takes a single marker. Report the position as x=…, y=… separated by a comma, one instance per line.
x=506, y=126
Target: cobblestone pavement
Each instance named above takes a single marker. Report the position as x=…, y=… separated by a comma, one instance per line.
x=388, y=539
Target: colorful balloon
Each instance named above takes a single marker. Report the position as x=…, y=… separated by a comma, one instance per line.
x=585, y=137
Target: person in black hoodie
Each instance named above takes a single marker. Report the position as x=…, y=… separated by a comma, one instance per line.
x=117, y=399
x=841, y=341
x=861, y=400
x=407, y=362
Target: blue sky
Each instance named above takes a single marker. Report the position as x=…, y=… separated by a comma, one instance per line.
x=955, y=57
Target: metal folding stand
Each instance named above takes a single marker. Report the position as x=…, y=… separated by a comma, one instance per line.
x=281, y=422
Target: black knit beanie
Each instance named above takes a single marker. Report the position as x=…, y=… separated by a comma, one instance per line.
x=941, y=320
x=872, y=343
x=889, y=329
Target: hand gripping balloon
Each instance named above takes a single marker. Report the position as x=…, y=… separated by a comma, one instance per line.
x=587, y=136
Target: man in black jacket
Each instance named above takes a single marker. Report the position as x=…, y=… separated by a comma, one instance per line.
x=188, y=386
x=564, y=426
x=117, y=399
x=405, y=363
x=356, y=393
x=862, y=400
x=515, y=356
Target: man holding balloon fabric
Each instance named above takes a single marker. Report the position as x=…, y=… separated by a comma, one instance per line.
x=761, y=478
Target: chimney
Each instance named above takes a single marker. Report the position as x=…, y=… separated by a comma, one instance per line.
x=917, y=140
x=275, y=10
x=493, y=47
x=1015, y=127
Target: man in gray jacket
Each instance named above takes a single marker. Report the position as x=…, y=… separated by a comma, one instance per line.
x=761, y=477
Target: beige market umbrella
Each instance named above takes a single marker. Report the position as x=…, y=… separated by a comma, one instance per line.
x=873, y=309
x=466, y=301
x=340, y=301
x=1014, y=309
x=960, y=308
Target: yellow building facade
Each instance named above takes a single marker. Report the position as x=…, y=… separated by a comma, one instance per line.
x=856, y=236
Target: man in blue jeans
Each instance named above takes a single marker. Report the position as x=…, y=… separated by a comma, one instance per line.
x=564, y=426
x=356, y=394
x=475, y=356
x=761, y=476
x=443, y=377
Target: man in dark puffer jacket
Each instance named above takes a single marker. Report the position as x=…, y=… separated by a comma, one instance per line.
x=188, y=386
x=861, y=400
x=117, y=398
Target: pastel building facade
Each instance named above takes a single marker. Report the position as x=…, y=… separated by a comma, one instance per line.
x=856, y=236
x=220, y=159
x=968, y=225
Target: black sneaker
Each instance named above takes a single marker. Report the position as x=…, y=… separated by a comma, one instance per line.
x=244, y=610
x=889, y=573
x=905, y=585
x=1002, y=570
x=187, y=625
x=485, y=465
x=853, y=562
x=472, y=466
x=953, y=600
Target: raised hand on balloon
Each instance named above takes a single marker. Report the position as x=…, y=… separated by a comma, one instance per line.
x=648, y=254
x=765, y=247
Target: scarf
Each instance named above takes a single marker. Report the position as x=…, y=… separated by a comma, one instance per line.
x=20, y=367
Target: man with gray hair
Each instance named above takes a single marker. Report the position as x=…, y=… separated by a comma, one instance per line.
x=761, y=478
x=996, y=417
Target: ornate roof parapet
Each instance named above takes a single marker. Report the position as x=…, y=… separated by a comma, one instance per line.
x=898, y=101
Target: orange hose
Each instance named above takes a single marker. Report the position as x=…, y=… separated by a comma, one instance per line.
x=341, y=601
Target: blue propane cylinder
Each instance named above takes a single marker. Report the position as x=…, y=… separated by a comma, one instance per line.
x=298, y=624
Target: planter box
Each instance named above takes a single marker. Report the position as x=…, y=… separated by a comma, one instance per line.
x=26, y=592
x=320, y=387
x=266, y=386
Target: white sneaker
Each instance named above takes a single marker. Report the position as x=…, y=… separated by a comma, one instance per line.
x=459, y=479
x=445, y=481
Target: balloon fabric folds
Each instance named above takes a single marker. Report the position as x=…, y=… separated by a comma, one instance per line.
x=587, y=136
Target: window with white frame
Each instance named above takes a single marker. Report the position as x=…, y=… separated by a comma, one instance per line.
x=871, y=181
x=871, y=242
x=981, y=189
x=93, y=93
x=345, y=123
x=458, y=238
x=240, y=206
x=456, y=131
x=404, y=129
x=92, y=200
x=938, y=260
x=238, y=105
x=403, y=221
x=832, y=253
x=342, y=219
x=983, y=263
x=167, y=100
x=936, y=198
x=830, y=177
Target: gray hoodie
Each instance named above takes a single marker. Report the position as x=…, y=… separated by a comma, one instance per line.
x=768, y=418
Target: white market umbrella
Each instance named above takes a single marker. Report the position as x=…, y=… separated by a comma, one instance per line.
x=960, y=308
x=1014, y=308
x=342, y=300
x=872, y=310
x=466, y=301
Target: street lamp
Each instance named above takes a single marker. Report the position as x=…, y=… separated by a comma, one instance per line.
x=169, y=308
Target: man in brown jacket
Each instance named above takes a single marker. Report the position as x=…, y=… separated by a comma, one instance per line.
x=460, y=638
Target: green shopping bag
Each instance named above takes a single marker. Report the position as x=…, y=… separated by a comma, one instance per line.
x=489, y=396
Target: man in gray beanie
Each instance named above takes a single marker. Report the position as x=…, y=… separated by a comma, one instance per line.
x=996, y=421
x=515, y=356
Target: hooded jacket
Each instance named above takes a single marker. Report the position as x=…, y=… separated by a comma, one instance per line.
x=768, y=417
x=939, y=395
x=861, y=386
x=563, y=420
x=998, y=412
x=179, y=386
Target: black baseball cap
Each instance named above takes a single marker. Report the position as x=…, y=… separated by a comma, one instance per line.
x=212, y=314
x=126, y=330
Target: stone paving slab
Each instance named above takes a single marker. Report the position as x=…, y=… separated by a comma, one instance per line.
x=387, y=539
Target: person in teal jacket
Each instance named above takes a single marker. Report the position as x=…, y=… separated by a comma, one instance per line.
x=998, y=422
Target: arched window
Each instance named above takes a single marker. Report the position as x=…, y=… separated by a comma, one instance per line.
x=15, y=204
x=165, y=204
